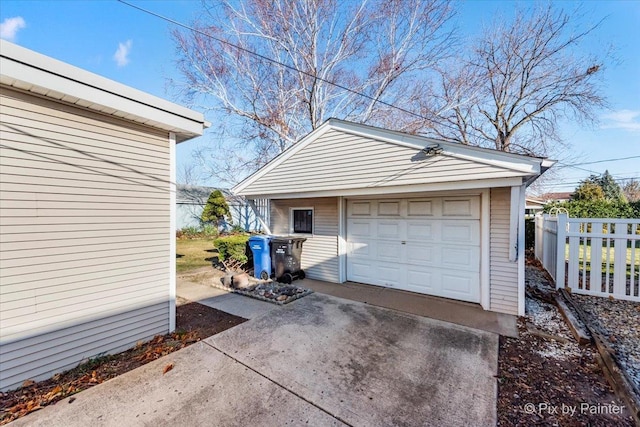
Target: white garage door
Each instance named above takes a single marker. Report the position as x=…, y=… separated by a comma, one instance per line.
x=426, y=245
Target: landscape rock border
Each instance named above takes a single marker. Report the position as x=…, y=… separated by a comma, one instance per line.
x=269, y=291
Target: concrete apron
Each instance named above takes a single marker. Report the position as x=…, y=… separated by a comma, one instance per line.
x=319, y=361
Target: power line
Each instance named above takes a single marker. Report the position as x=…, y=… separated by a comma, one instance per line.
x=266, y=58
x=602, y=161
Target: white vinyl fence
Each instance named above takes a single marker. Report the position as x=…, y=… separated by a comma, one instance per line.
x=592, y=256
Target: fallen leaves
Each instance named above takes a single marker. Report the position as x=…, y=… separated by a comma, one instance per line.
x=196, y=321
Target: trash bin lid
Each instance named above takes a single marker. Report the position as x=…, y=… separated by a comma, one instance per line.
x=260, y=237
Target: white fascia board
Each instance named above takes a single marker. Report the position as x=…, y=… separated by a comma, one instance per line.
x=279, y=159
x=397, y=189
x=31, y=69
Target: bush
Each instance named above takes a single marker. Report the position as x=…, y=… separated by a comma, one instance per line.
x=206, y=231
x=530, y=233
x=597, y=209
x=233, y=248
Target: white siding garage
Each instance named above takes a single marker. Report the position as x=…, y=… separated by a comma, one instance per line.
x=413, y=213
x=426, y=245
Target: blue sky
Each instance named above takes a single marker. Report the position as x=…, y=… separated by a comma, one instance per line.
x=126, y=45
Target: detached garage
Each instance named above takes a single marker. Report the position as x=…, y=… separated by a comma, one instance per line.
x=390, y=209
x=87, y=214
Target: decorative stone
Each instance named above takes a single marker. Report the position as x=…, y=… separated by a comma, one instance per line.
x=281, y=298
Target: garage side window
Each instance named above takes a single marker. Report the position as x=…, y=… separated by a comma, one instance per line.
x=302, y=220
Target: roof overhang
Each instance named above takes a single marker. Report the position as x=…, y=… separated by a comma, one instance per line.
x=30, y=71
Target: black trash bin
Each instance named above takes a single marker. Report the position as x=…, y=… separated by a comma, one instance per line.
x=286, y=255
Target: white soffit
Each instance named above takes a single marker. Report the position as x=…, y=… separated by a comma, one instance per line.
x=30, y=71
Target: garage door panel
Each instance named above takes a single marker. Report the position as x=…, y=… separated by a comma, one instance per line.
x=460, y=285
x=389, y=208
x=461, y=258
x=362, y=249
x=360, y=208
x=420, y=208
x=421, y=279
x=421, y=230
x=389, y=230
x=389, y=251
x=461, y=207
x=389, y=274
x=420, y=254
x=360, y=270
x=360, y=229
x=461, y=232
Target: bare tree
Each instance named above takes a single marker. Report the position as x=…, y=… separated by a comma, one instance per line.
x=518, y=82
x=631, y=189
x=315, y=60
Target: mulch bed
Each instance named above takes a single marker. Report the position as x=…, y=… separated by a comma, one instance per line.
x=527, y=378
x=544, y=381
x=193, y=322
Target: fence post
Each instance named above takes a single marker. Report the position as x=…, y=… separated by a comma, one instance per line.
x=561, y=242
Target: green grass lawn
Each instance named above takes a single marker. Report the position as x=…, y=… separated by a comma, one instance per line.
x=603, y=258
x=193, y=254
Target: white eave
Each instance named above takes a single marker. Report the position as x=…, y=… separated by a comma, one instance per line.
x=33, y=72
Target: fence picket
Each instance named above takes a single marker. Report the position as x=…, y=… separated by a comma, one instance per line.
x=605, y=244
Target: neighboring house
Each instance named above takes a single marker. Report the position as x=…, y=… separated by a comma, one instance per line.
x=190, y=202
x=87, y=214
x=564, y=196
x=533, y=205
x=402, y=211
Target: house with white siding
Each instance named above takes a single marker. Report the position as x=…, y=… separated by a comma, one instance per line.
x=191, y=200
x=87, y=214
x=402, y=211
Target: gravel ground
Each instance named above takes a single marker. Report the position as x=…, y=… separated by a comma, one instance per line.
x=550, y=381
x=619, y=322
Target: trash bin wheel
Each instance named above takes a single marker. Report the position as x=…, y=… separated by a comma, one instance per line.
x=301, y=275
x=287, y=278
x=264, y=275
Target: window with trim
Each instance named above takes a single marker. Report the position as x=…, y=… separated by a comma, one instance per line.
x=302, y=220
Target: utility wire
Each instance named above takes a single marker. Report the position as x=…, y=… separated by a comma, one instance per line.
x=266, y=58
x=338, y=85
x=602, y=161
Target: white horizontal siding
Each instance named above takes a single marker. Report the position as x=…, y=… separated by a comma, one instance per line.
x=84, y=235
x=320, y=251
x=503, y=273
x=339, y=160
x=40, y=356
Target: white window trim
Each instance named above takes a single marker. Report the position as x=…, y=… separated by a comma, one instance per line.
x=313, y=220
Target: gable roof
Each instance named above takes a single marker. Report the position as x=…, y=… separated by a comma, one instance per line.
x=30, y=71
x=347, y=158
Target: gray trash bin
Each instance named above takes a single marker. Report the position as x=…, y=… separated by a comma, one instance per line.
x=286, y=256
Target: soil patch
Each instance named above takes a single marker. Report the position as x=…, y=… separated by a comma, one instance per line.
x=193, y=322
x=550, y=379
x=540, y=388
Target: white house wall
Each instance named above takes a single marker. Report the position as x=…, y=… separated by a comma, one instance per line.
x=340, y=160
x=503, y=273
x=320, y=251
x=85, y=220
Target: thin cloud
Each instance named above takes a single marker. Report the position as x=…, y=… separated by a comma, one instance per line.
x=122, y=54
x=10, y=26
x=622, y=119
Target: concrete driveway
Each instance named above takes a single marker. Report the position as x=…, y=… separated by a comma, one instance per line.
x=318, y=361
